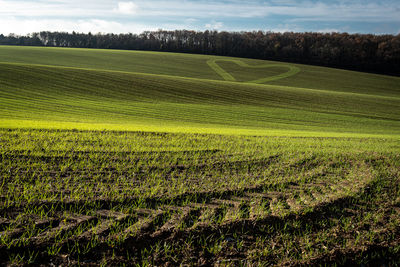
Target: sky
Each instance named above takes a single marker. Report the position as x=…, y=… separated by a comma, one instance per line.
x=108, y=16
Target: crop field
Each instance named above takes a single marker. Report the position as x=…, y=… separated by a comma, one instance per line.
x=116, y=158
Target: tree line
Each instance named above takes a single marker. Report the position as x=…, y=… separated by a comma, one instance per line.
x=363, y=52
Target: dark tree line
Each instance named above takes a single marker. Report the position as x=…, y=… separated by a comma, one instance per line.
x=364, y=52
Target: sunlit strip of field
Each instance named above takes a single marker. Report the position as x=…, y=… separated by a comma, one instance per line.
x=47, y=94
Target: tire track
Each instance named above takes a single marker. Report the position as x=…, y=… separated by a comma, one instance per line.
x=293, y=70
x=102, y=228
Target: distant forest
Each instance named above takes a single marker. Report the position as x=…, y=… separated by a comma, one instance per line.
x=363, y=52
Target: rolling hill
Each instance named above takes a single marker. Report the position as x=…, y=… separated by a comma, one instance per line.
x=113, y=158
x=132, y=90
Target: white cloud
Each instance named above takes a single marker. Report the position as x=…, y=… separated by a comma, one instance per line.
x=22, y=27
x=25, y=16
x=191, y=21
x=215, y=25
x=126, y=8
x=328, y=30
x=286, y=28
x=55, y=9
x=205, y=9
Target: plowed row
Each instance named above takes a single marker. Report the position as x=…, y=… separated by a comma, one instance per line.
x=277, y=210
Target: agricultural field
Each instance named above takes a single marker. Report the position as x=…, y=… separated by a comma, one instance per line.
x=116, y=158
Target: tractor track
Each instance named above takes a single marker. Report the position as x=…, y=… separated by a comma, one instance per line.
x=165, y=219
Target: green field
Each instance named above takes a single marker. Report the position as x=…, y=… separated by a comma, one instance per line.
x=142, y=158
x=128, y=90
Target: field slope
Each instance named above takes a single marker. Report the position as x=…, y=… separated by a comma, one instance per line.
x=129, y=90
x=127, y=158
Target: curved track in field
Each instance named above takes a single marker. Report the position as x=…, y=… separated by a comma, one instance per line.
x=80, y=203
x=293, y=70
x=102, y=230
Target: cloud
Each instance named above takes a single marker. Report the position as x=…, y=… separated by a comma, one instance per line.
x=191, y=21
x=328, y=30
x=339, y=12
x=214, y=25
x=22, y=27
x=54, y=9
x=206, y=9
x=126, y=8
x=286, y=28
x=280, y=15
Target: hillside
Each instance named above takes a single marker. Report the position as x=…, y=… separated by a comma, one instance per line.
x=131, y=90
x=113, y=158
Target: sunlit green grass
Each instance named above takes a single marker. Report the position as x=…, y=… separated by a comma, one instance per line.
x=100, y=89
x=50, y=176
x=309, y=160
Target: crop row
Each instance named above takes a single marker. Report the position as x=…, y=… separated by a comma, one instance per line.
x=118, y=197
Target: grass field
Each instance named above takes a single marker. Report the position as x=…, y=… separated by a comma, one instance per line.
x=143, y=158
x=125, y=90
